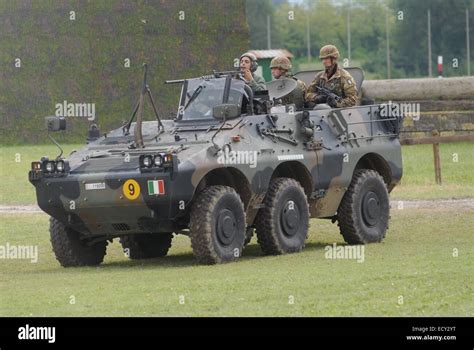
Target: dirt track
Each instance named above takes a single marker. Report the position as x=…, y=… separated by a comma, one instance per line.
x=466, y=204
x=439, y=204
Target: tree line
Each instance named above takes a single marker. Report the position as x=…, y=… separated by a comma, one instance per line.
x=387, y=38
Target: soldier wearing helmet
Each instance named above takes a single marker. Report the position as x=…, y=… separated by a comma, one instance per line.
x=280, y=67
x=333, y=78
x=248, y=66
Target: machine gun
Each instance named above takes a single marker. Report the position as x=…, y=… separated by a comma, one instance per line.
x=138, y=111
x=328, y=93
x=215, y=74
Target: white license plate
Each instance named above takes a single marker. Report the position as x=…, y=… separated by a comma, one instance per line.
x=96, y=186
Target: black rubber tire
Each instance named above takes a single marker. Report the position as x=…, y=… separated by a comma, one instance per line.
x=217, y=225
x=275, y=234
x=364, y=211
x=146, y=245
x=70, y=250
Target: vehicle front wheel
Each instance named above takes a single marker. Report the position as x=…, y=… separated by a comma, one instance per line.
x=217, y=225
x=364, y=211
x=73, y=250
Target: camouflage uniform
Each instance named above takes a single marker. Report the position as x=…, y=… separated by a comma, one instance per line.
x=297, y=96
x=257, y=83
x=341, y=83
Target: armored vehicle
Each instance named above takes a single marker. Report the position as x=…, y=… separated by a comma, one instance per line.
x=230, y=163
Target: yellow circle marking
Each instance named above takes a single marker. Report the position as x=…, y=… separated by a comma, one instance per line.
x=131, y=189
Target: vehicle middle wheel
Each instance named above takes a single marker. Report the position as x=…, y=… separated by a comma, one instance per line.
x=282, y=225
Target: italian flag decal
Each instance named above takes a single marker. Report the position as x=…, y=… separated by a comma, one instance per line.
x=156, y=187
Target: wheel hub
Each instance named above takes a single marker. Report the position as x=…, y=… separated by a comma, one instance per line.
x=371, y=208
x=290, y=219
x=226, y=227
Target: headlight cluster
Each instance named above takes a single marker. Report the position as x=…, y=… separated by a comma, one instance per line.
x=159, y=161
x=55, y=167
x=48, y=168
x=51, y=167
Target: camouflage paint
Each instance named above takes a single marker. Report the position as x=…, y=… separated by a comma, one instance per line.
x=346, y=135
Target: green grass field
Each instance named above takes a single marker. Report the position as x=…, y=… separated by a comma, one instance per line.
x=415, y=262
x=457, y=172
x=15, y=163
x=417, y=183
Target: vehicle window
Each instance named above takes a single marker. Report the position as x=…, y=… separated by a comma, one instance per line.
x=202, y=95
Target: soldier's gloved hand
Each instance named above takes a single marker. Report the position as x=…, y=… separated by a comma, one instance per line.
x=320, y=99
x=331, y=101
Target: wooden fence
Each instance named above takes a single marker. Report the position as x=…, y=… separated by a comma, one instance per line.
x=435, y=140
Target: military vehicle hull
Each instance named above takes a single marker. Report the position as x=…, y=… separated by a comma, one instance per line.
x=92, y=198
x=229, y=163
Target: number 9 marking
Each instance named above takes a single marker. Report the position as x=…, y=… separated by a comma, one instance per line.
x=131, y=189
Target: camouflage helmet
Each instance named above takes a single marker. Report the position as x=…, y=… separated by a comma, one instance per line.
x=329, y=51
x=281, y=62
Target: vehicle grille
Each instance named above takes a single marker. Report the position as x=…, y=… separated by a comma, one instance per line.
x=121, y=227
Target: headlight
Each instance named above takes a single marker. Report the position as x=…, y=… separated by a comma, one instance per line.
x=60, y=166
x=36, y=166
x=49, y=167
x=158, y=160
x=147, y=161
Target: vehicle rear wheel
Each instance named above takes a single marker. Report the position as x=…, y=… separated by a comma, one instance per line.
x=71, y=249
x=364, y=211
x=217, y=225
x=282, y=225
x=146, y=245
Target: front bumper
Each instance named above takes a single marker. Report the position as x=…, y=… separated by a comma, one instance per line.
x=122, y=203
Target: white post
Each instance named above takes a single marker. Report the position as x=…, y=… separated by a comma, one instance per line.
x=440, y=66
x=269, y=39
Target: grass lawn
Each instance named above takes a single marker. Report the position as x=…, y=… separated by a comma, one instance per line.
x=417, y=182
x=15, y=162
x=457, y=172
x=412, y=273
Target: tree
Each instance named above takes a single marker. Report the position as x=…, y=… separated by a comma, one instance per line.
x=257, y=12
x=447, y=35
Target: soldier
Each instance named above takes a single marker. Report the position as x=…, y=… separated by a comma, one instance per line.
x=333, y=78
x=248, y=66
x=280, y=67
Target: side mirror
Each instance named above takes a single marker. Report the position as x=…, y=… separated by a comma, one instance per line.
x=226, y=111
x=54, y=123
